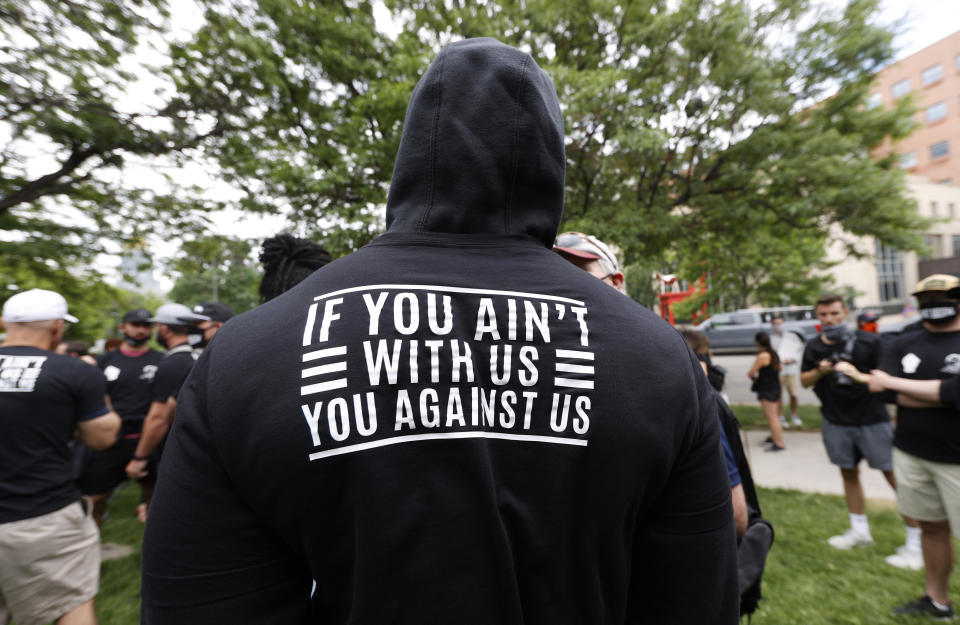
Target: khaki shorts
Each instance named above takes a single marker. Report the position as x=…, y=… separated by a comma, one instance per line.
x=927, y=490
x=49, y=565
x=789, y=383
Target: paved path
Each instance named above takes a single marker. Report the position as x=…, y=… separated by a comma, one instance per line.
x=804, y=466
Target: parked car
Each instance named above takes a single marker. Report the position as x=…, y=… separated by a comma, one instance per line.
x=734, y=331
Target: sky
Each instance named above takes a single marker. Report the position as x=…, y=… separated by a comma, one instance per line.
x=921, y=23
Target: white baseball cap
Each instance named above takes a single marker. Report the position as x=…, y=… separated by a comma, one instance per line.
x=586, y=246
x=177, y=314
x=36, y=305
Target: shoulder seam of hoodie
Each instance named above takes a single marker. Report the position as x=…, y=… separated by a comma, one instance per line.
x=433, y=145
x=516, y=141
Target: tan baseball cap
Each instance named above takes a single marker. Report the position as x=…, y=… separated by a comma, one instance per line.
x=937, y=282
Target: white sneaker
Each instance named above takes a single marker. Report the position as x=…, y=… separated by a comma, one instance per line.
x=904, y=558
x=849, y=539
x=796, y=420
x=783, y=422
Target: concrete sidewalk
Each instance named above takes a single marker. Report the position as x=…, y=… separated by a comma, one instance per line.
x=804, y=466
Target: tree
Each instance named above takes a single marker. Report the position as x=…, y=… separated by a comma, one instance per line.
x=216, y=268
x=699, y=132
x=72, y=119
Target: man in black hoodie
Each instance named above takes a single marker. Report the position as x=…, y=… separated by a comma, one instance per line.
x=453, y=424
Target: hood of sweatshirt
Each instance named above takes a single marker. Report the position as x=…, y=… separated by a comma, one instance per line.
x=482, y=147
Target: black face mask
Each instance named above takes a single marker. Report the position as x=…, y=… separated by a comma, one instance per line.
x=195, y=338
x=162, y=341
x=940, y=311
x=136, y=342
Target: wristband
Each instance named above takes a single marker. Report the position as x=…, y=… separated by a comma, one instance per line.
x=140, y=458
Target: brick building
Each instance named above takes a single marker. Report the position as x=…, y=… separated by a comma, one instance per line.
x=933, y=76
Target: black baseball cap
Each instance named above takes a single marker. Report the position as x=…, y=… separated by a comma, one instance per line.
x=215, y=310
x=137, y=315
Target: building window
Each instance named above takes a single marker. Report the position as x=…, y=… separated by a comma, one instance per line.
x=956, y=245
x=874, y=100
x=935, y=243
x=900, y=89
x=936, y=111
x=934, y=210
x=951, y=211
x=932, y=74
x=889, y=273
x=908, y=160
x=939, y=149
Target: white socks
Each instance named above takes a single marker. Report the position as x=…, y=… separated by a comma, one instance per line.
x=859, y=524
x=913, y=538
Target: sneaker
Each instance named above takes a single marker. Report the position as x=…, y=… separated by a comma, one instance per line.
x=783, y=422
x=849, y=539
x=773, y=447
x=768, y=440
x=911, y=559
x=924, y=607
x=797, y=421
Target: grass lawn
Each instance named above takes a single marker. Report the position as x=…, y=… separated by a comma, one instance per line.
x=806, y=581
x=751, y=417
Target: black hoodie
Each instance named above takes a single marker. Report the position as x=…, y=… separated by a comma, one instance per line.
x=453, y=424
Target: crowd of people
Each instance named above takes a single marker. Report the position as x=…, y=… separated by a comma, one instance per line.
x=464, y=421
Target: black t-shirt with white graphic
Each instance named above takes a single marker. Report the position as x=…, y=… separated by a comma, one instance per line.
x=930, y=433
x=847, y=404
x=171, y=373
x=130, y=381
x=42, y=397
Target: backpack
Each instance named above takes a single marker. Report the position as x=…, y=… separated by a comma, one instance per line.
x=755, y=544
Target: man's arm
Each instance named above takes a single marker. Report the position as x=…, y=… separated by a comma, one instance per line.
x=155, y=427
x=810, y=377
x=926, y=391
x=685, y=551
x=100, y=432
x=741, y=518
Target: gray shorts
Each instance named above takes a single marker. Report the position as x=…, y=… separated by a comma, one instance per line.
x=847, y=445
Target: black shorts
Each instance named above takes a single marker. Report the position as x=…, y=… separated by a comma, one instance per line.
x=102, y=471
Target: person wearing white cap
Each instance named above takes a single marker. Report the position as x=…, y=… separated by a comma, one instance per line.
x=49, y=544
x=177, y=331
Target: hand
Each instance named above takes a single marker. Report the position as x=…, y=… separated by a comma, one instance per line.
x=789, y=361
x=137, y=469
x=878, y=381
x=825, y=366
x=850, y=371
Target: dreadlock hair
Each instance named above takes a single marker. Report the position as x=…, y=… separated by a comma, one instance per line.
x=286, y=261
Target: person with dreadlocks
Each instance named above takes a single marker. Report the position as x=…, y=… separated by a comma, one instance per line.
x=286, y=261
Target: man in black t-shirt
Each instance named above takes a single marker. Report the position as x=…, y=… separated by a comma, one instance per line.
x=855, y=423
x=49, y=545
x=218, y=314
x=921, y=367
x=177, y=331
x=129, y=371
x=453, y=424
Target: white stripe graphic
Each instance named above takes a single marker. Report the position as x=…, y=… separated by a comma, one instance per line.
x=530, y=438
x=322, y=387
x=325, y=353
x=447, y=289
x=562, y=366
x=333, y=367
x=587, y=384
x=569, y=353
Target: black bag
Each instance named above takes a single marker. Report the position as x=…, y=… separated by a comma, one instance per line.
x=755, y=544
x=716, y=376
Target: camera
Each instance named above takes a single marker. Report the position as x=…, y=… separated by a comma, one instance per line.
x=845, y=355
